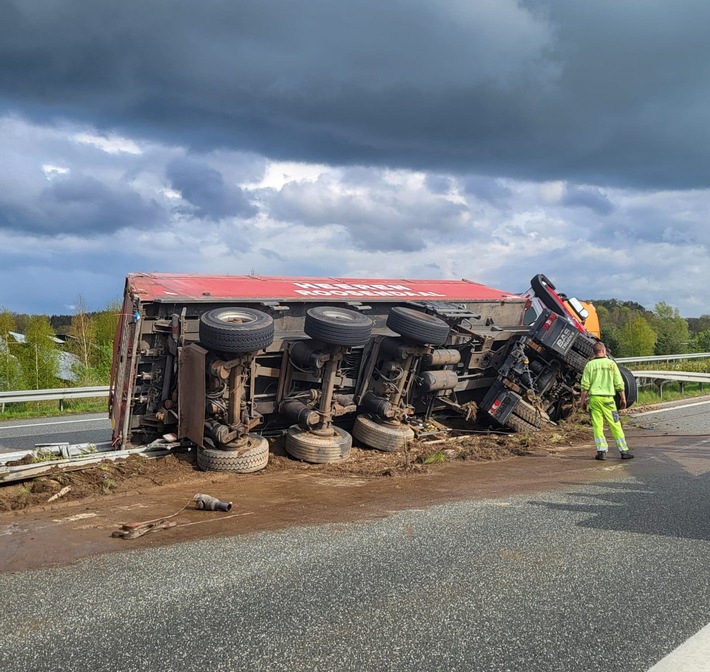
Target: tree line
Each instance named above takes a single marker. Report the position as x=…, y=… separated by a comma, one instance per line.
x=38, y=361
x=629, y=330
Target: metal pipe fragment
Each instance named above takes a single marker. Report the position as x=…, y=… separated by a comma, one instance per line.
x=212, y=503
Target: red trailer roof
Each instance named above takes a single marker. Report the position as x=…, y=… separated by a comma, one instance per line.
x=171, y=287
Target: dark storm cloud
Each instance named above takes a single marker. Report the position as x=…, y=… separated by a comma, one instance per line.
x=602, y=92
x=485, y=188
x=205, y=188
x=439, y=184
x=588, y=197
x=79, y=205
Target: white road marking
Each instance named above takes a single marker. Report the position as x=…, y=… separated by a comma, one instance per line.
x=692, y=655
x=47, y=424
x=670, y=408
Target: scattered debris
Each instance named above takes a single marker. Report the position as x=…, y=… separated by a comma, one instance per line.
x=132, y=473
x=61, y=493
x=211, y=503
x=135, y=530
x=46, y=460
x=128, y=532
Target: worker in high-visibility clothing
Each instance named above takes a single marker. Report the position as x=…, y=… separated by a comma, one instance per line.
x=601, y=381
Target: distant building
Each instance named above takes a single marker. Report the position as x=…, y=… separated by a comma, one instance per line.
x=66, y=360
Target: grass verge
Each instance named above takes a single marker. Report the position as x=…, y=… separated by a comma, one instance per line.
x=671, y=392
x=49, y=409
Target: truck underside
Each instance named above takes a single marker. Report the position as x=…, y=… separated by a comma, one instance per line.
x=221, y=361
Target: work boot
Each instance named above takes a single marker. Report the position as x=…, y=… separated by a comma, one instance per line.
x=601, y=455
x=626, y=455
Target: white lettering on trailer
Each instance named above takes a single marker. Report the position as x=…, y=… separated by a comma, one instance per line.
x=364, y=293
x=358, y=290
x=346, y=286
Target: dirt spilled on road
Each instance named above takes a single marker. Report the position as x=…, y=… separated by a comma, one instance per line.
x=112, y=496
x=136, y=473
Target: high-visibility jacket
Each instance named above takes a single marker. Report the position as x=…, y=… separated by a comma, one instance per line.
x=602, y=377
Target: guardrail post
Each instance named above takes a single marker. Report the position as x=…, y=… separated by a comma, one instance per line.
x=659, y=384
x=61, y=405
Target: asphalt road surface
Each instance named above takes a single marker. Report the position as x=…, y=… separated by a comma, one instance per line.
x=607, y=575
x=691, y=416
x=25, y=434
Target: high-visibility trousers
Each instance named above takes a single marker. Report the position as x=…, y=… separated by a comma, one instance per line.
x=603, y=409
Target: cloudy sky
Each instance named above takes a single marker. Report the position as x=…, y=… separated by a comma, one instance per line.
x=481, y=139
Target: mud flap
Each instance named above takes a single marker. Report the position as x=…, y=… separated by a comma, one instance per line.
x=191, y=401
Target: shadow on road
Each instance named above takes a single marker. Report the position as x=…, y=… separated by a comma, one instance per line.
x=665, y=491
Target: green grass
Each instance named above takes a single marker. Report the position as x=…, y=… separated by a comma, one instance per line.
x=49, y=409
x=671, y=392
x=435, y=458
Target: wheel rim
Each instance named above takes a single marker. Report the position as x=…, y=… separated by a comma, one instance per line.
x=335, y=314
x=233, y=316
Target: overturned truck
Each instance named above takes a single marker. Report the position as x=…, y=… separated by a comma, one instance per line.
x=220, y=362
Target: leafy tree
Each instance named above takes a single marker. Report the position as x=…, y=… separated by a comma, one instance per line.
x=82, y=333
x=636, y=337
x=39, y=355
x=621, y=330
x=613, y=305
x=105, y=323
x=609, y=330
x=21, y=320
x=92, y=341
x=696, y=326
x=10, y=369
x=702, y=341
x=672, y=330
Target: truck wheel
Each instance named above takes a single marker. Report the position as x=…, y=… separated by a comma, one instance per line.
x=520, y=425
x=337, y=326
x=630, y=387
x=528, y=413
x=584, y=346
x=576, y=360
x=236, y=330
x=379, y=435
x=418, y=326
x=254, y=458
x=544, y=289
x=318, y=449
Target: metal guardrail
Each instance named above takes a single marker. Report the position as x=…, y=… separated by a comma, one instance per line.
x=682, y=376
x=75, y=457
x=663, y=358
x=660, y=378
x=59, y=394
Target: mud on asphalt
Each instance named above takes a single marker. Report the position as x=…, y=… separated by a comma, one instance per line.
x=138, y=473
x=36, y=533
